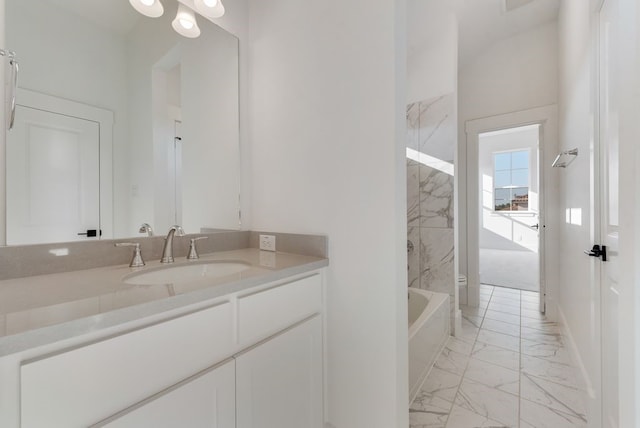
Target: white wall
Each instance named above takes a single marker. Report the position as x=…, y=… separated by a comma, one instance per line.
x=433, y=70
x=579, y=295
x=515, y=74
x=327, y=111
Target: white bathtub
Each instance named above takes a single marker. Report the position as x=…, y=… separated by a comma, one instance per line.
x=429, y=330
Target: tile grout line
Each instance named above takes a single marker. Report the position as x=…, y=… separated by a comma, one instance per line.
x=473, y=345
x=492, y=296
x=519, y=355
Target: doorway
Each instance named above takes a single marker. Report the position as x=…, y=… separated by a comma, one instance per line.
x=509, y=207
x=526, y=208
x=59, y=171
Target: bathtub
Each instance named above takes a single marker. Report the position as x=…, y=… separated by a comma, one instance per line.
x=429, y=330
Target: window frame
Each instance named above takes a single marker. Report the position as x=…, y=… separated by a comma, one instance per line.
x=528, y=150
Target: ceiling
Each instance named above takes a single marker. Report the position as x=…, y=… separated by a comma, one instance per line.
x=481, y=23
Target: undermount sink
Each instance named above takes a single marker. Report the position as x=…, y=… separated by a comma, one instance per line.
x=186, y=272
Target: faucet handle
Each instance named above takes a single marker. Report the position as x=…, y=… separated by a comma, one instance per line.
x=179, y=230
x=193, y=252
x=146, y=228
x=136, y=261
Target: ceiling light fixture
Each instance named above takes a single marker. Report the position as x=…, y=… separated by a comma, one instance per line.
x=210, y=8
x=185, y=22
x=150, y=8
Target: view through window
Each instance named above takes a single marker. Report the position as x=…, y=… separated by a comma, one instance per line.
x=511, y=181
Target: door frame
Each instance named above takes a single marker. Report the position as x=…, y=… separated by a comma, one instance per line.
x=104, y=119
x=545, y=116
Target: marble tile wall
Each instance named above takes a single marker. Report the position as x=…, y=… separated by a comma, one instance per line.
x=431, y=136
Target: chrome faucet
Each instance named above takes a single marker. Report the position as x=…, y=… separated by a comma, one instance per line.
x=167, y=252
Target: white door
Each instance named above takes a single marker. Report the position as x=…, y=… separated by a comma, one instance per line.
x=609, y=214
x=279, y=383
x=53, y=177
x=206, y=401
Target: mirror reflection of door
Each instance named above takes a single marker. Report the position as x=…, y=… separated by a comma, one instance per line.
x=175, y=174
x=509, y=217
x=53, y=166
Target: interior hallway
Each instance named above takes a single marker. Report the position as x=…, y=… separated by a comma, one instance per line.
x=508, y=368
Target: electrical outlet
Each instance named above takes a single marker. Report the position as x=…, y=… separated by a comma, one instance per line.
x=268, y=242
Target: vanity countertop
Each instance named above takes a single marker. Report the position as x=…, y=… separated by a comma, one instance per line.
x=40, y=310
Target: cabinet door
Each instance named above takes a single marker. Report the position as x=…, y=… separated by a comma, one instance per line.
x=279, y=382
x=81, y=386
x=205, y=400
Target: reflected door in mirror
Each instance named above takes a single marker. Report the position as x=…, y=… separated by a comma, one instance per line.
x=53, y=165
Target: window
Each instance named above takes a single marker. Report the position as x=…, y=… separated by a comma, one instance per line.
x=511, y=181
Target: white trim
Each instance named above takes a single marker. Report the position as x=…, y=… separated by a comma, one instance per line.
x=585, y=382
x=547, y=117
x=105, y=120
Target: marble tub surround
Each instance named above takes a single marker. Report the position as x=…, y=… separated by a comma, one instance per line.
x=505, y=370
x=431, y=139
x=43, y=309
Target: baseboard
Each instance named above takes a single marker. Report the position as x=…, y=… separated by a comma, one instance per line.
x=462, y=295
x=586, y=384
x=457, y=327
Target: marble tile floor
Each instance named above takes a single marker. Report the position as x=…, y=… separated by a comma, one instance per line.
x=508, y=368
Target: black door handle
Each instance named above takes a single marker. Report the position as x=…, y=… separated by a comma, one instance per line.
x=535, y=226
x=598, y=251
x=90, y=233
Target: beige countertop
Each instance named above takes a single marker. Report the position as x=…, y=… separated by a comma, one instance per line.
x=40, y=310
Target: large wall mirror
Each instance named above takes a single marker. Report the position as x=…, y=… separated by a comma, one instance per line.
x=120, y=121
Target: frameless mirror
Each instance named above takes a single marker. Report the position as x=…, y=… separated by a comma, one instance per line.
x=120, y=121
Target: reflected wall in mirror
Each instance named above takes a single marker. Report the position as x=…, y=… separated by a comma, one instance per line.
x=120, y=121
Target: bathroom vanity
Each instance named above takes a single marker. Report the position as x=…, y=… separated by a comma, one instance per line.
x=234, y=339
x=240, y=350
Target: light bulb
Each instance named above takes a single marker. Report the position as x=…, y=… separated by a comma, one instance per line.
x=185, y=22
x=150, y=8
x=209, y=8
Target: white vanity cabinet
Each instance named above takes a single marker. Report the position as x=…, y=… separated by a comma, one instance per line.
x=279, y=382
x=255, y=355
x=81, y=386
x=205, y=401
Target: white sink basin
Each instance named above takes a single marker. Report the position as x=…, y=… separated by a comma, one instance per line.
x=186, y=272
